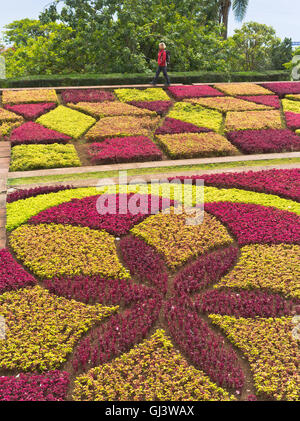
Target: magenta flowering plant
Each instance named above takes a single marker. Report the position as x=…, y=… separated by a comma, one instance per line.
x=282, y=88
x=31, y=111
x=250, y=223
x=244, y=303
x=284, y=183
x=205, y=271
x=172, y=126
x=84, y=212
x=265, y=141
x=292, y=120
x=32, y=133
x=144, y=263
x=12, y=274
x=160, y=107
x=86, y=95
x=36, y=191
x=51, y=386
x=94, y=289
x=269, y=100
x=204, y=347
x=124, y=149
x=193, y=91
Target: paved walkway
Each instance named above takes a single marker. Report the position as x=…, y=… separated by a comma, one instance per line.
x=153, y=164
x=4, y=165
x=90, y=182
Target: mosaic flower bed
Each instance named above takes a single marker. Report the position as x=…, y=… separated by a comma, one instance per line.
x=258, y=120
x=242, y=89
x=67, y=121
x=78, y=116
x=109, y=109
x=225, y=104
x=265, y=141
x=122, y=126
x=282, y=88
x=124, y=149
x=144, y=306
x=31, y=111
x=197, y=115
x=86, y=95
x=30, y=157
x=181, y=92
x=193, y=145
x=30, y=133
x=29, y=96
x=149, y=94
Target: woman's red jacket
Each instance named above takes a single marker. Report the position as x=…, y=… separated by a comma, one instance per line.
x=162, y=57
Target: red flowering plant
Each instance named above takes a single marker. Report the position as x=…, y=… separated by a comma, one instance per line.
x=283, y=183
x=33, y=133
x=86, y=95
x=51, y=386
x=31, y=111
x=193, y=91
x=292, y=120
x=172, y=126
x=265, y=141
x=124, y=149
x=282, y=88
x=160, y=107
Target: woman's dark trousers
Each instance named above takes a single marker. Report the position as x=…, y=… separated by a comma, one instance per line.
x=164, y=70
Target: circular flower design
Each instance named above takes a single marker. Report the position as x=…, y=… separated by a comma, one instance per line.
x=192, y=300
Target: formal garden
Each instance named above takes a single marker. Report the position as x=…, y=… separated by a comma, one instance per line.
x=78, y=127
x=180, y=283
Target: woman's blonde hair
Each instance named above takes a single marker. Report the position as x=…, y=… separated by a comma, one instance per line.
x=163, y=44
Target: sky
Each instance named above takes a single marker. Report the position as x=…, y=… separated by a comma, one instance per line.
x=283, y=15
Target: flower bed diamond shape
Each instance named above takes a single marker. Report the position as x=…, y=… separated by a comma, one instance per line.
x=67, y=121
x=193, y=145
x=124, y=149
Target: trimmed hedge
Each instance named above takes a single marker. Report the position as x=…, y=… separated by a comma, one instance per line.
x=138, y=78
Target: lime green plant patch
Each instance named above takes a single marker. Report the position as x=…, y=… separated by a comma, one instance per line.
x=42, y=329
x=66, y=250
x=290, y=105
x=149, y=94
x=32, y=157
x=67, y=121
x=195, y=114
x=272, y=351
x=275, y=267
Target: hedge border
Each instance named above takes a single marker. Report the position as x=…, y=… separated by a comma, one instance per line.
x=141, y=78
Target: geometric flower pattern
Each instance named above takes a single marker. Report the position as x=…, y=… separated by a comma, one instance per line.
x=162, y=343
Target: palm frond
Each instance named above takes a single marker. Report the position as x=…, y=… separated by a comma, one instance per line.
x=240, y=8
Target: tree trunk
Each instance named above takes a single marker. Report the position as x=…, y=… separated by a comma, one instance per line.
x=225, y=8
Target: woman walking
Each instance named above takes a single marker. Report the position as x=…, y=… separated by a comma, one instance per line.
x=162, y=64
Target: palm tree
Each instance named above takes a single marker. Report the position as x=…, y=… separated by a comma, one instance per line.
x=239, y=8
